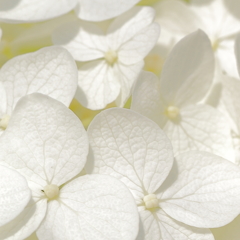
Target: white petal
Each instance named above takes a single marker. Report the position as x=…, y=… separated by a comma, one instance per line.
x=146, y=98
x=139, y=46
x=217, y=19
x=202, y=190
x=51, y=71
x=203, y=128
x=188, y=71
x=95, y=10
x=174, y=230
x=225, y=56
x=14, y=195
x=149, y=229
x=237, y=52
x=85, y=41
x=44, y=141
x=98, y=84
x=158, y=225
x=127, y=75
x=131, y=148
x=91, y=207
x=126, y=26
x=26, y=222
x=3, y=100
x=177, y=17
x=231, y=98
x=16, y=11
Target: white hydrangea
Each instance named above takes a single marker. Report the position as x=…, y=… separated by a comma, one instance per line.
x=51, y=71
x=115, y=58
x=173, y=102
x=178, y=19
x=177, y=199
x=48, y=145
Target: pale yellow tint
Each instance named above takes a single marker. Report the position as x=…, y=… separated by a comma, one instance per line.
x=51, y=191
x=11, y=47
x=151, y=201
x=229, y=232
x=87, y=115
x=148, y=2
x=151, y=2
x=32, y=237
x=153, y=63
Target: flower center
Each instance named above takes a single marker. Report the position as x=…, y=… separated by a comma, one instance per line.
x=172, y=112
x=215, y=45
x=4, y=121
x=111, y=57
x=51, y=191
x=151, y=201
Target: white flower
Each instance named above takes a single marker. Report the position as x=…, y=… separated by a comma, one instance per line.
x=116, y=58
x=47, y=144
x=18, y=11
x=14, y=194
x=177, y=199
x=173, y=102
x=51, y=71
x=99, y=10
x=178, y=19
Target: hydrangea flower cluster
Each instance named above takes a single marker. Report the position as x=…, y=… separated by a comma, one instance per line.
x=94, y=145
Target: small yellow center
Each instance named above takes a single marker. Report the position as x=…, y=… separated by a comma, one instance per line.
x=4, y=121
x=151, y=201
x=172, y=112
x=215, y=45
x=51, y=191
x=111, y=57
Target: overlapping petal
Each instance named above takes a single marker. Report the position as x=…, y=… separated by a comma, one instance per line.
x=97, y=81
x=204, y=193
x=230, y=98
x=42, y=146
x=203, y=128
x=178, y=17
x=188, y=71
x=129, y=24
x=51, y=71
x=146, y=98
x=101, y=10
x=17, y=11
x=126, y=76
x=131, y=148
x=26, y=222
x=140, y=45
x=14, y=194
x=85, y=41
x=91, y=207
x=174, y=230
x=161, y=226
